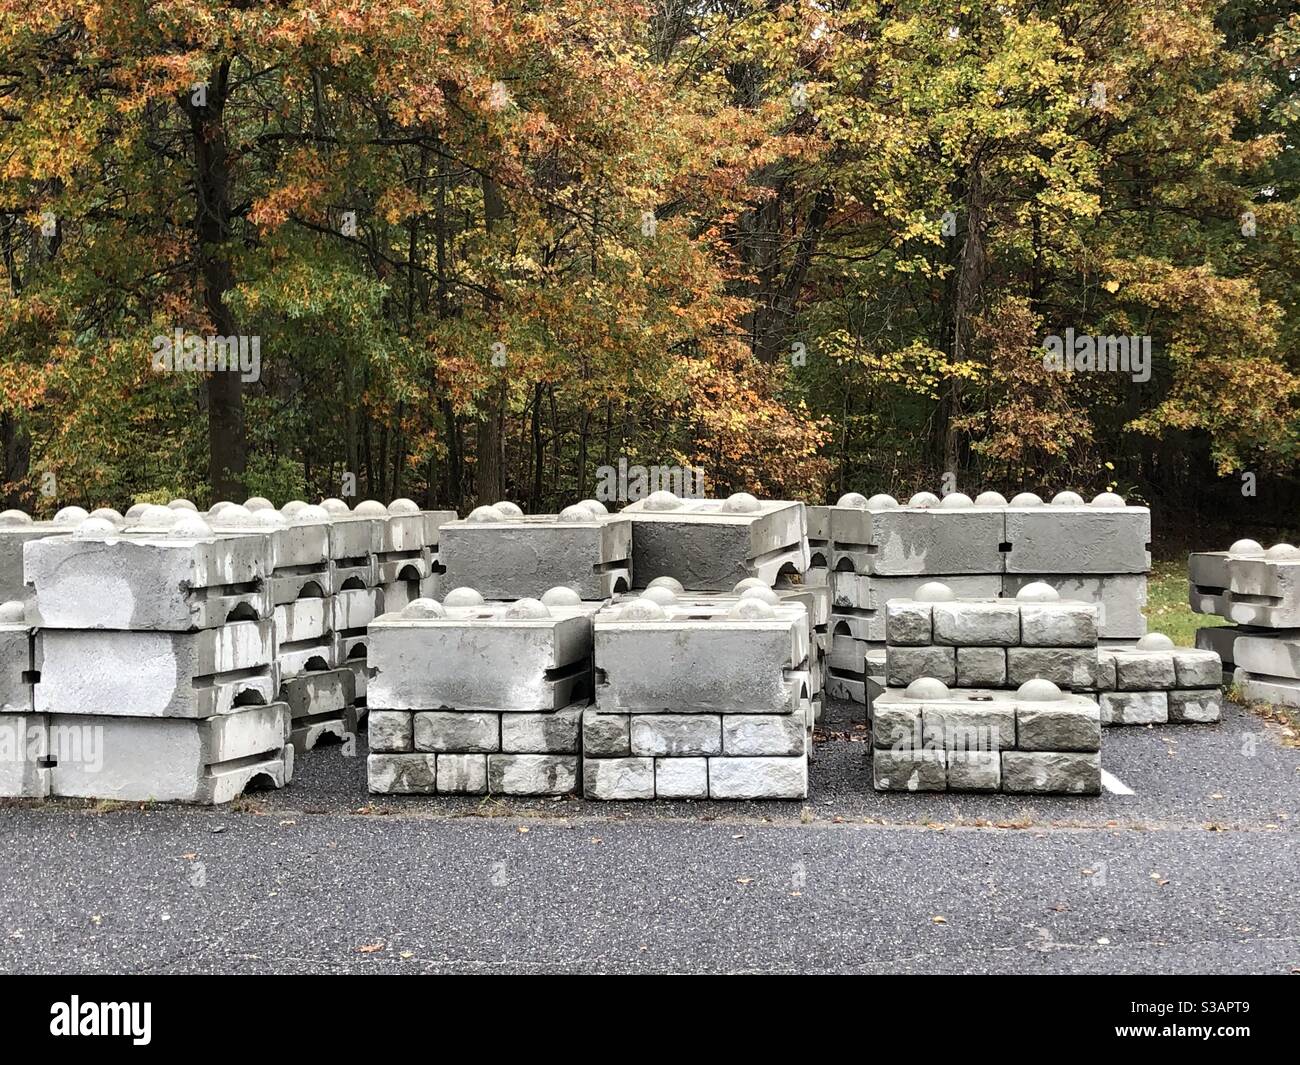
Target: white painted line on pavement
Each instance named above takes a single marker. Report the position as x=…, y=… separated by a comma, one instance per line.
x=1114, y=785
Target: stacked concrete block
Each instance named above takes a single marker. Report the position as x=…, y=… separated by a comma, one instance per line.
x=504, y=554
x=471, y=697
x=17, y=528
x=709, y=545
x=1154, y=683
x=1259, y=591
x=154, y=664
x=23, y=732
x=1033, y=740
x=699, y=699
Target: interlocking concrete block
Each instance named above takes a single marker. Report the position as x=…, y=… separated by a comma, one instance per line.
x=1222, y=640
x=1120, y=599
x=147, y=584
x=975, y=624
x=1134, y=708
x=1199, y=669
x=17, y=650
x=134, y=759
x=981, y=667
x=492, y=656
x=711, y=544
x=618, y=778
x=681, y=778
x=1051, y=772
x=909, y=623
x=361, y=676
x=24, y=750
x=554, y=732
x=532, y=774
x=305, y=656
x=987, y=725
x=909, y=770
x=606, y=735
x=462, y=774
x=896, y=725
x=1107, y=672
x=758, y=778
x=1144, y=670
x=337, y=727
x=759, y=735
x=391, y=731
x=457, y=732
x=1199, y=706
x=901, y=541
x=16, y=529
x=1263, y=591
x=302, y=620
x=847, y=654
x=819, y=525
x=1280, y=691
x=974, y=770
x=1066, y=667
x=1065, y=725
x=525, y=556
x=906, y=664
x=1078, y=539
x=1274, y=655
x=661, y=735
x=156, y=674
x=320, y=704
x=355, y=608
x=402, y=774
x=1059, y=624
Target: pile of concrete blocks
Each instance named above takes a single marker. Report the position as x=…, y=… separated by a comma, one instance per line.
x=698, y=699
x=472, y=697
x=1003, y=643
x=153, y=665
x=709, y=545
x=878, y=550
x=505, y=555
x=1036, y=739
x=17, y=528
x=1258, y=591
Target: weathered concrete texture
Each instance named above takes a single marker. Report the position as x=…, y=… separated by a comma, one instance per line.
x=1072, y=668
x=981, y=667
x=909, y=623
x=974, y=770
x=1144, y=670
x=1134, y=707
x=462, y=774
x=849, y=687
x=618, y=778
x=402, y=774
x=134, y=759
x=17, y=650
x=758, y=778
x=1120, y=598
x=1254, y=687
x=976, y=624
x=24, y=744
x=1195, y=706
x=303, y=656
x=909, y=770
x=156, y=674
x=1078, y=539
x=151, y=584
x=303, y=620
x=710, y=545
x=457, y=732
x=532, y=774
x=1059, y=624
x=1073, y=726
x=1276, y=654
x=526, y=556
x=13, y=535
x=391, y=731
x=1222, y=640
x=654, y=735
x=681, y=778
x=1263, y=591
x=1051, y=773
x=553, y=732
x=848, y=654
x=974, y=726
x=606, y=735
x=355, y=608
x=321, y=707
x=903, y=541
x=906, y=664
x=758, y=735
x=479, y=659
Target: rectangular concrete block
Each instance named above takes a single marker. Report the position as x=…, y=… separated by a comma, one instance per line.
x=618, y=778
x=1120, y=598
x=1073, y=725
x=987, y=726
x=1195, y=706
x=391, y=731
x=906, y=664
x=981, y=667
x=1144, y=670
x=681, y=778
x=1222, y=640
x=1267, y=654
x=674, y=735
x=758, y=778
x=912, y=770
x=976, y=624
x=462, y=774
x=24, y=750
x=1134, y=708
x=759, y=735
x=902, y=541
x=606, y=735
x=402, y=774
x=532, y=774
x=1281, y=691
x=1058, y=624
x=1078, y=539
x=1197, y=669
x=554, y=732
x=974, y=770
x=1066, y=667
x=896, y=725
x=454, y=732
x=909, y=623
x=17, y=653
x=1051, y=772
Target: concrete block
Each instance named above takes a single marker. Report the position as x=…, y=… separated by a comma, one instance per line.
x=673, y=735
x=618, y=778
x=681, y=778
x=759, y=735
x=975, y=624
x=1280, y=691
x=1051, y=772
x=457, y=732
x=1059, y=624
x=1274, y=655
x=896, y=725
x=1073, y=725
x=758, y=778
x=554, y=732
x=16, y=529
x=1144, y=670
x=1199, y=669
x=1200, y=706
x=305, y=656
x=903, y=541
x=156, y=674
x=302, y=620
x=1120, y=598
x=981, y=667
x=847, y=687
x=606, y=735
x=1134, y=708
x=17, y=651
x=906, y=664
x=974, y=770
x=1066, y=667
x=338, y=727
x=848, y=654
x=1078, y=539
x=1106, y=669
x=532, y=774
x=402, y=774
x=1222, y=640
x=910, y=770
x=909, y=623
x=989, y=725
x=462, y=774
x=391, y=731
x=24, y=748
x=355, y=608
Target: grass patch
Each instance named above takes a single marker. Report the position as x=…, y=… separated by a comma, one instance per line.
x=1167, y=608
